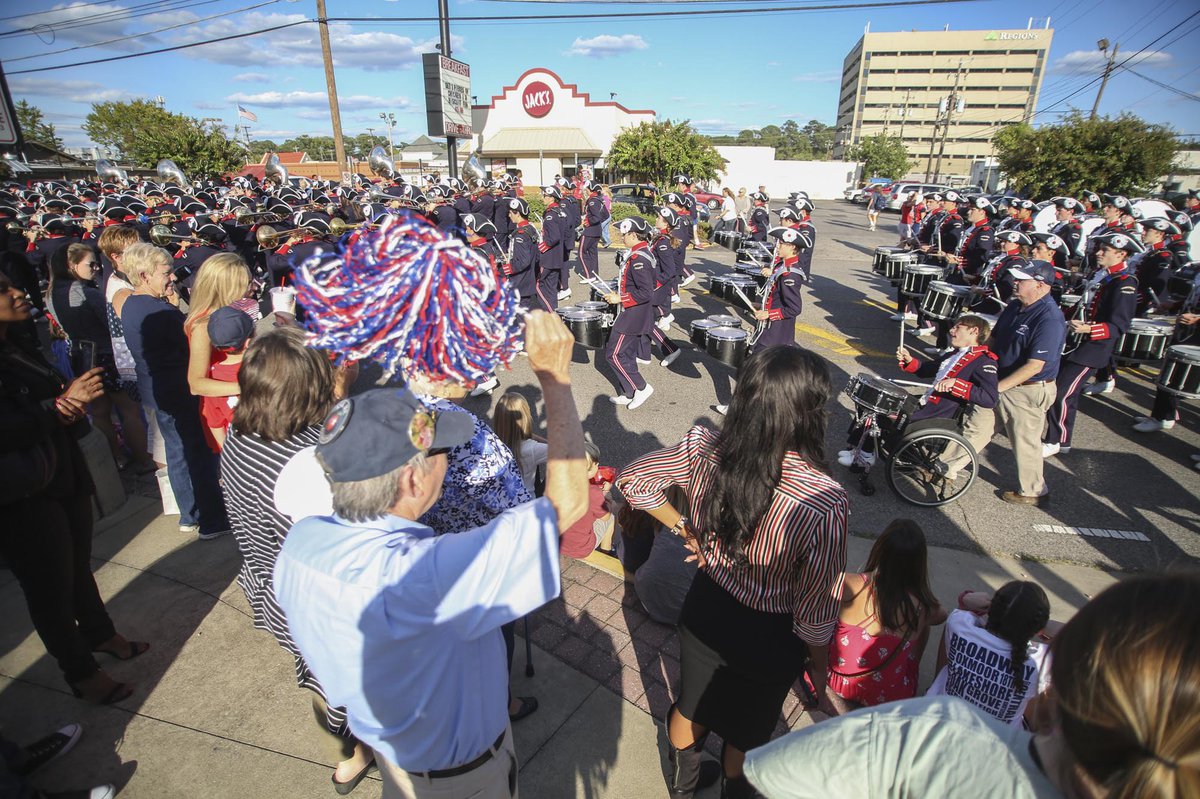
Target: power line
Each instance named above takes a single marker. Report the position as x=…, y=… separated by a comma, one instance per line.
x=190, y=45
x=143, y=33
x=1166, y=86
x=73, y=7
x=121, y=15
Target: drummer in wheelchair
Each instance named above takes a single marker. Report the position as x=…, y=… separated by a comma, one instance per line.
x=965, y=376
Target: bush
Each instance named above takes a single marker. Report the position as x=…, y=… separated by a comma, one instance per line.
x=706, y=231
x=625, y=210
x=537, y=203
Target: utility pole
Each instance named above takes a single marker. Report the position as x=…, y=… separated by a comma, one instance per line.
x=444, y=49
x=904, y=113
x=389, y=119
x=1108, y=68
x=335, y=113
x=953, y=104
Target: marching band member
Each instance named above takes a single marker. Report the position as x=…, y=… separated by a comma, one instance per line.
x=521, y=269
x=1113, y=292
x=569, y=203
x=302, y=244
x=480, y=232
x=1091, y=203
x=1025, y=209
x=483, y=204
x=1165, y=411
x=500, y=211
x=997, y=274
x=964, y=376
x=210, y=240
x=682, y=232
x=683, y=187
x=589, y=248
x=1048, y=247
x=1177, y=242
x=760, y=217
x=1155, y=265
x=635, y=293
x=1067, y=227
x=440, y=210
x=1004, y=205
x=781, y=298
x=969, y=261
x=551, y=246
x=665, y=249
x=804, y=207
x=1112, y=206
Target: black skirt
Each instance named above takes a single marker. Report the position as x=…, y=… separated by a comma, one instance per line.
x=737, y=665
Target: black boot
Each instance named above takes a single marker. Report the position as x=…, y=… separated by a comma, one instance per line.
x=738, y=788
x=686, y=767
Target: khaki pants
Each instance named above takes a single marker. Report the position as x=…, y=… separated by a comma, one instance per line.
x=1022, y=411
x=495, y=779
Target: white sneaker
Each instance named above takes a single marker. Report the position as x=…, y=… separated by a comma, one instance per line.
x=1101, y=387
x=687, y=280
x=621, y=399
x=845, y=457
x=1154, y=425
x=189, y=528
x=486, y=387
x=844, y=452
x=903, y=317
x=721, y=409
x=562, y=295
x=663, y=323
x=644, y=361
x=928, y=330
x=640, y=396
x=1195, y=456
x=102, y=792
x=670, y=359
x=1049, y=450
x=583, y=280
x=675, y=299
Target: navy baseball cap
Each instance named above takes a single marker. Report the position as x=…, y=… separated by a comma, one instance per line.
x=229, y=327
x=381, y=430
x=1041, y=271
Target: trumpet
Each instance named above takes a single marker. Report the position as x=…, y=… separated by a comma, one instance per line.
x=377, y=196
x=161, y=236
x=338, y=227
x=244, y=216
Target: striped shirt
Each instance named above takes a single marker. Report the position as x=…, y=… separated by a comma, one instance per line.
x=797, y=554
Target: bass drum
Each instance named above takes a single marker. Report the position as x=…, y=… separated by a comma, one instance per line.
x=1145, y=341
x=1044, y=219
x=1086, y=227
x=1150, y=209
x=728, y=345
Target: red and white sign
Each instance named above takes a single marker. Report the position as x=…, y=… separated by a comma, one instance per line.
x=537, y=99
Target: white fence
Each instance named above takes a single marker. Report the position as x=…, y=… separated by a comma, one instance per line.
x=751, y=167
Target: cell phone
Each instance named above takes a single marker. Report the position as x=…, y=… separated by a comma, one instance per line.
x=83, y=356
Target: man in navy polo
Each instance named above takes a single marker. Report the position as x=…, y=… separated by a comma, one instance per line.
x=1028, y=342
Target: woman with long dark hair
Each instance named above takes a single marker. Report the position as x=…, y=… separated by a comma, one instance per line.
x=887, y=610
x=770, y=533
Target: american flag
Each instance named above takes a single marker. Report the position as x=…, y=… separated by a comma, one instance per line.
x=242, y=112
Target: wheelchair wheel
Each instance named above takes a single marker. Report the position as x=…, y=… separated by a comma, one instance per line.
x=915, y=470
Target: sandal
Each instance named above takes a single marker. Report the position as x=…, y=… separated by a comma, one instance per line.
x=344, y=788
x=118, y=691
x=134, y=649
x=528, y=705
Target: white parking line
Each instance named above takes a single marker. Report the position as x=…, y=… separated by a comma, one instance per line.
x=1091, y=532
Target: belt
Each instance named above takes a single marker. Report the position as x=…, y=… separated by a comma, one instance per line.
x=1036, y=382
x=465, y=768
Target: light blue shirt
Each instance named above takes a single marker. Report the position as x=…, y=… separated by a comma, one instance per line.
x=402, y=627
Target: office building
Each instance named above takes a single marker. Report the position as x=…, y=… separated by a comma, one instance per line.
x=942, y=92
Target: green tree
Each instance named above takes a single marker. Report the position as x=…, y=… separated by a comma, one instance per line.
x=820, y=139
x=318, y=148
x=882, y=156
x=793, y=144
x=260, y=147
x=34, y=126
x=1125, y=155
x=654, y=151
x=362, y=144
x=144, y=133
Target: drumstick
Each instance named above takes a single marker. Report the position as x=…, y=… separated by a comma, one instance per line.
x=902, y=325
x=745, y=299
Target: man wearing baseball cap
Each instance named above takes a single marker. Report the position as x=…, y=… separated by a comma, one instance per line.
x=1027, y=341
x=401, y=626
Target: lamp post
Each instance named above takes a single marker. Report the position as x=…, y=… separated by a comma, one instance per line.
x=389, y=119
x=1108, y=68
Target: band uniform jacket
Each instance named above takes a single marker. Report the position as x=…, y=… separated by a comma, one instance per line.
x=666, y=258
x=974, y=251
x=1110, y=312
x=573, y=216
x=445, y=216
x=949, y=232
x=595, y=216
x=1154, y=267
x=806, y=255
x=999, y=274
x=635, y=285
x=554, y=234
x=286, y=256
x=783, y=302
x=484, y=205
x=760, y=222
x=975, y=382
x=1071, y=233
x=188, y=261
x=522, y=263
x=683, y=233
x=928, y=229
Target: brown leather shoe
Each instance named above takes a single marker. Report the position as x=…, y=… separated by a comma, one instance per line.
x=1014, y=498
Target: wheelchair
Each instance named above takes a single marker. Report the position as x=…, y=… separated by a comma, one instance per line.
x=913, y=454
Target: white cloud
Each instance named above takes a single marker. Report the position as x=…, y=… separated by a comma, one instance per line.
x=100, y=23
x=75, y=91
x=1093, y=61
x=828, y=76
x=299, y=45
x=606, y=45
x=301, y=99
x=251, y=77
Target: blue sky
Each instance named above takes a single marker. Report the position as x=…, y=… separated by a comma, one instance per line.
x=723, y=72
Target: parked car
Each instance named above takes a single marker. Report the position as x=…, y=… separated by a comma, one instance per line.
x=900, y=191
x=851, y=195
x=640, y=195
x=707, y=198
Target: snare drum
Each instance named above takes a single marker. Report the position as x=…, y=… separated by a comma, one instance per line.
x=718, y=286
x=944, y=301
x=1179, y=285
x=563, y=310
x=748, y=287
x=1145, y=340
x=595, y=295
x=893, y=265
x=726, y=320
x=1068, y=302
x=1180, y=374
x=916, y=279
x=876, y=394
x=881, y=255
x=698, y=332
x=727, y=345
x=734, y=240
x=586, y=327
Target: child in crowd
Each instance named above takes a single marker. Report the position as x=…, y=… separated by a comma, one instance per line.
x=995, y=648
x=595, y=527
x=655, y=559
x=513, y=423
x=229, y=330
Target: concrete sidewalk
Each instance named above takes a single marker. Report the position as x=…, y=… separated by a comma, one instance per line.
x=216, y=711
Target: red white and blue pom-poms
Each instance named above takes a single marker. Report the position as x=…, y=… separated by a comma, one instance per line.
x=412, y=299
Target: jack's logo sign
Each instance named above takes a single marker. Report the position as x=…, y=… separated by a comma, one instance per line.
x=537, y=99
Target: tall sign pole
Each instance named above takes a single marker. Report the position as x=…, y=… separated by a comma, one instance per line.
x=444, y=36
x=335, y=114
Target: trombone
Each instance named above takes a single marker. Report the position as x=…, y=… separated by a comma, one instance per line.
x=244, y=216
x=338, y=227
x=161, y=236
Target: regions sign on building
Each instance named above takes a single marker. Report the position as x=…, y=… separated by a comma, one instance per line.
x=545, y=127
